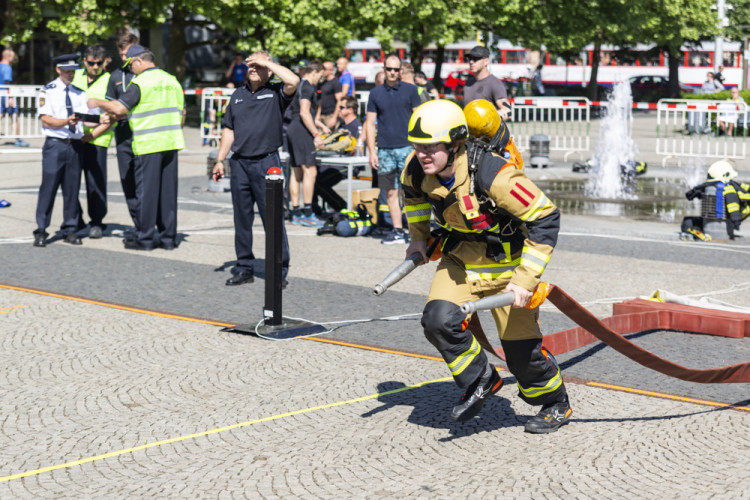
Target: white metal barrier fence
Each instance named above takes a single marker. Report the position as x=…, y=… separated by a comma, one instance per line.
x=214, y=102
x=566, y=120
x=711, y=129
x=19, y=105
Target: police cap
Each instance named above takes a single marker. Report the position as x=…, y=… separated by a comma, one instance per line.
x=67, y=61
x=134, y=50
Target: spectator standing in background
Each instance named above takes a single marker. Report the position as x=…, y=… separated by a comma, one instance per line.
x=391, y=104
x=345, y=77
x=237, y=72
x=407, y=76
x=94, y=81
x=422, y=81
x=330, y=95
x=719, y=77
x=484, y=85
x=119, y=81
x=8, y=105
x=304, y=139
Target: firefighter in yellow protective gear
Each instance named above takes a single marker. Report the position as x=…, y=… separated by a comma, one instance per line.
x=732, y=201
x=500, y=232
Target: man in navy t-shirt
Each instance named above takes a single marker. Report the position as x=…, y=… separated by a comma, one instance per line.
x=391, y=104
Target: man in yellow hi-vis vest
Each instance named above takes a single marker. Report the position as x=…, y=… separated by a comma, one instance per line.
x=155, y=104
x=93, y=80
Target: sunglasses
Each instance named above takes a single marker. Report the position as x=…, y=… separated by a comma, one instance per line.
x=471, y=58
x=94, y=63
x=343, y=107
x=395, y=70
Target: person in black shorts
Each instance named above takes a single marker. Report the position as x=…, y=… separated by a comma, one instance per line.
x=303, y=138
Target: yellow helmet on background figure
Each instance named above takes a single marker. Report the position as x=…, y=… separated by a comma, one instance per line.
x=486, y=124
x=722, y=171
x=483, y=119
x=437, y=121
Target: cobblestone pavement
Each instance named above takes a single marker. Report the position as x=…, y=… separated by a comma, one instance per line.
x=83, y=382
x=99, y=401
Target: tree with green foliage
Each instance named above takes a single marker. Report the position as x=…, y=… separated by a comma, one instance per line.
x=420, y=23
x=289, y=29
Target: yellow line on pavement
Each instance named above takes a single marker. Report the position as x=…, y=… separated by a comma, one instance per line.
x=115, y=306
x=215, y=431
x=11, y=307
x=666, y=396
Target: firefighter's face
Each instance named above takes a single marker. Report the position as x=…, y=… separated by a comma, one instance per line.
x=432, y=157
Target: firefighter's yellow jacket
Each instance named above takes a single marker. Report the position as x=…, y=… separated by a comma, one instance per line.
x=504, y=232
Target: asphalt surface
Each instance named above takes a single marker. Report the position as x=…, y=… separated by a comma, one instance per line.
x=85, y=379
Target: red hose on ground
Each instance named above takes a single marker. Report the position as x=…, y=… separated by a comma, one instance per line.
x=739, y=373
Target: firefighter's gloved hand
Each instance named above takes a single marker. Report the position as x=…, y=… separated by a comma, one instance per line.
x=693, y=193
x=521, y=295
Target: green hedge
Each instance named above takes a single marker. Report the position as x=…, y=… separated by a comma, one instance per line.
x=718, y=96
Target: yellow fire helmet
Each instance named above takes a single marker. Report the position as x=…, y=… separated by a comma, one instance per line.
x=722, y=171
x=485, y=123
x=437, y=121
x=483, y=119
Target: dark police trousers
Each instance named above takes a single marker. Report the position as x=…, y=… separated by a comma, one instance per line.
x=156, y=190
x=248, y=184
x=126, y=165
x=61, y=166
x=95, y=169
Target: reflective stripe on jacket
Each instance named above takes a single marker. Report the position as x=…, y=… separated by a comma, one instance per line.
x=97, y=90
x=156, y=120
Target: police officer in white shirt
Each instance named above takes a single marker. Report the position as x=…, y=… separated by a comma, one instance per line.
x=61, y=109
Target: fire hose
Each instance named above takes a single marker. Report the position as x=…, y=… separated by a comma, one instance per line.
x=737, y=373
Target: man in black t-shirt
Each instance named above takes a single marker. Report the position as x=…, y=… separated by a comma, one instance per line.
x=251, y=128
x=118, y=83
x=330, y=95
x=304, y=139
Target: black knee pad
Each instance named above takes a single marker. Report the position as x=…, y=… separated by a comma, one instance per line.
x=536, y=370
x=442, y=319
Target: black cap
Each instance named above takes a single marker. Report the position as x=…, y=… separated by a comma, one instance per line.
x=134, y=50
x=479, y=52
x=66, y=61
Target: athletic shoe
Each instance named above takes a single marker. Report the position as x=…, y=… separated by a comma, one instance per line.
x=311, y=220
x=297, y=220
x=4, y=203
x=397, y=236
x=550, y=418
x=686, y=236
x=476, y=394
x=21, y=143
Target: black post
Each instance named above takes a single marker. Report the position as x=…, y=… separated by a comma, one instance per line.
x=274, y=232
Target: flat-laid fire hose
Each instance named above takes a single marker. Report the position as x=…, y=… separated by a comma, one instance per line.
x=738, y=373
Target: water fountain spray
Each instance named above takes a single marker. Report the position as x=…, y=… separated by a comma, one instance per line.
x=615, y=146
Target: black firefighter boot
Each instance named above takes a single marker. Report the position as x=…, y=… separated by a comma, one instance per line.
x=476, y=394
x=551, y=417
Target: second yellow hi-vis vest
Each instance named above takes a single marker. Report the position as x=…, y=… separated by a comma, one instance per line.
x=157, y=118
x=97, y=90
